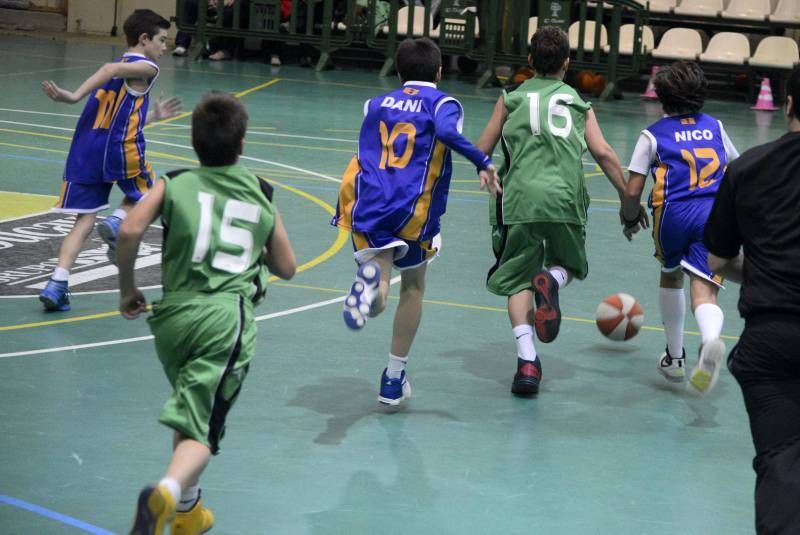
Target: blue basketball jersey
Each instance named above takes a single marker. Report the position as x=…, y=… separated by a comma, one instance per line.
x=400, y=178
x=690, y=158
x=108, y=143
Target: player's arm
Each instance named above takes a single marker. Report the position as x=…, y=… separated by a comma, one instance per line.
x=602, y=152
x=721, y=235
x=131, y=300
x=138, y=69
x=632, y=214
x=278, y=254
x=730, y=268
x=447, y=125
x=494, y=127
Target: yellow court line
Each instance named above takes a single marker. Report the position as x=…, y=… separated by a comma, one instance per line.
x=39, y=134
x=266, y=144
x=240, y=94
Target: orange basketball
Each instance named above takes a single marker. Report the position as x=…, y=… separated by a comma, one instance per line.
x=597, y=83
x=619, y=317
x=584, y=81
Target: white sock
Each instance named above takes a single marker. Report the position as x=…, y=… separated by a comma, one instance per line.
x=60, y=274
x=524, y=339
x=561, y=275
x=189, y=497
x=396, y=366
x=709, y=318
x=120, y=213
x=672, y=302
x=173, y=487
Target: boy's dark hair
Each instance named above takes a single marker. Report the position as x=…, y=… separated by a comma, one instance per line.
x=793, y=90
x=143, y=21
x=418, y=59
x=682, y=88
x=219, y=122
x=549, y=50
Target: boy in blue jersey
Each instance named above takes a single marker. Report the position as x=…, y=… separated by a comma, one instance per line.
x=687, y=152
x=108, y=145
x=393, y=194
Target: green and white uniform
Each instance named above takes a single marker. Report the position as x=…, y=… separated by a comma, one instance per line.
x=216, y=222
x=540, y=218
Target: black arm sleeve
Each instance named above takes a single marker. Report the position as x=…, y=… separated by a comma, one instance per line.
x=722, y=237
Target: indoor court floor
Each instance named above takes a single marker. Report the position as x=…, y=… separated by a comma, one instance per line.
x=606, y=448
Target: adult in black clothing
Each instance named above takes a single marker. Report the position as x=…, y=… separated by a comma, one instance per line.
x=757, y=209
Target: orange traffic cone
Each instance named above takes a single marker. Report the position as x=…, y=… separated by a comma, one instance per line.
x=764, y=101
x=650, y=92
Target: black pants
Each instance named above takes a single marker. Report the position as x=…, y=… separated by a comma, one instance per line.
x=184, y=39
x=766, y=363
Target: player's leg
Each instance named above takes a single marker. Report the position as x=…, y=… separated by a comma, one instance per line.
x=134, y=189
x=395, y=387
x=374, y=254
x=671, y=237
x=519, y=253
x=565, y=259
x=83, y=200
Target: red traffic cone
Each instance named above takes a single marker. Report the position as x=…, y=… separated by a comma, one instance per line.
x=764, y=101
x=650, y=92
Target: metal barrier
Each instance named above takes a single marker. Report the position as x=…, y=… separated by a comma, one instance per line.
x=490, y=31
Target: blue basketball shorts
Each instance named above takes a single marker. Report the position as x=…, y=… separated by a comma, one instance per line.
x=79, y=198
x=407, y=254
x=678, y=237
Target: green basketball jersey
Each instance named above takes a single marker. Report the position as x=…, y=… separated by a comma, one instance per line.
x=216, y=222
x=542, y=142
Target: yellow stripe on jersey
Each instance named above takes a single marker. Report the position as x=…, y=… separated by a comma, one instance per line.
x=413, y=228
x=658, y=189
x=658, y=212
x=131, y=149
x=141, y=184
x=347, y=194
x=359, y=241
x=62, y=195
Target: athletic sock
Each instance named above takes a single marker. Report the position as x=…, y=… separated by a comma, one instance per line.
x=672, y=302
x=173, y=487
x=396, y=366
x=60, y=274
x=120, y=214
x=709, y=319
x=561, y=275
x=524, y=338
x=189, y=498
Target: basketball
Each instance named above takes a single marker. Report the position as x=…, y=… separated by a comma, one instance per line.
x=619, y=317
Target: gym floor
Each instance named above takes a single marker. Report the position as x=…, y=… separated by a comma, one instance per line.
x=606, y=448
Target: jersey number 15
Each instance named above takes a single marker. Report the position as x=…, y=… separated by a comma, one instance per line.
x=228, y=234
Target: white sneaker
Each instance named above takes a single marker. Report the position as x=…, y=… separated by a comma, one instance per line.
x=275, y=60
x=179, y=51
x=673, y=369
x=358, y=303
x=704, y=376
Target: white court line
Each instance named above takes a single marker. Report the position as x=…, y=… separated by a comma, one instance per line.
x=91, y=275
x=41, y=112
x=186, y=147
x=265, y=317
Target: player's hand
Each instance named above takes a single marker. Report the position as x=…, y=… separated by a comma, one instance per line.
x=490, y=180
x=56, y=93
x=133, y=304
x=644, y=220
x=166, y=109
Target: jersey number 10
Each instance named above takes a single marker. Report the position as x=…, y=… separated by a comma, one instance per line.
x=228, y=234
x=388, y=139
x=555, y=108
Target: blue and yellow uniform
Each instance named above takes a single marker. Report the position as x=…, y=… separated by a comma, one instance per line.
x=394, y=190
x=687, y=156
x=108, y=146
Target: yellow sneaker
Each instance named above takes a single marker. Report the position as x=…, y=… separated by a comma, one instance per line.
x=194, y=521
x=156, y=508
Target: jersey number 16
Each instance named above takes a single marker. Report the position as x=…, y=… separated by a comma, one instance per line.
x=555, y=108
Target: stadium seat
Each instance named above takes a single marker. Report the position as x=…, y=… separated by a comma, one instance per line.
x=787, y=11
x=679, y=43
x=727, y=47
x=776, y=53
x=660, y=6
x=747, y=10
x=701, y=8
x=418, y=27
x=626, y=40
x=533, y=24
x=588, y=36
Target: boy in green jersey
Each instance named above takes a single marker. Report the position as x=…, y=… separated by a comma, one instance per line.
x=539, y=221
x=222, y=234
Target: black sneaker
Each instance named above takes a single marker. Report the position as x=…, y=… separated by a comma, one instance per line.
x=547, y=317
x=528, y=376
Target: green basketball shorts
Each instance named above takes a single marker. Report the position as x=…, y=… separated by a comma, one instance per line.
x=524, y=249
x=204, y=343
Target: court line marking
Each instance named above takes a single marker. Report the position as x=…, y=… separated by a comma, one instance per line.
x=54, y=515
